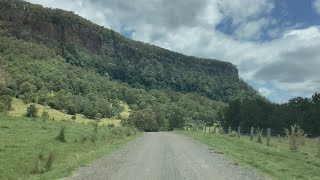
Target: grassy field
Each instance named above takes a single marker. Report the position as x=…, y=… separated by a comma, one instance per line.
x=276, y=161
x=19, y=110
x=22, y=139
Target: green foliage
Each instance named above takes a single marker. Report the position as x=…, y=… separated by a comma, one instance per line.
x=296, y=137
x=111, y=125
x=45, y=115
x=73, y=117
x=98, y=116
x=6, y=102
x=32, y=111
x=277, y=162
x=43, y=164
x=18, y=159
x=304, y=112
x=61, y=136
x=50, y=62
x=2, y=107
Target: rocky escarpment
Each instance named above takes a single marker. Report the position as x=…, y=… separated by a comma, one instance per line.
x=85, y=44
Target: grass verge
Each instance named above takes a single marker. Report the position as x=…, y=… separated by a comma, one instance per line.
x=276, y=161
x=23, y=139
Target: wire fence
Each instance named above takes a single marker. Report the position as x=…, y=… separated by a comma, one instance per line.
x=243, y=131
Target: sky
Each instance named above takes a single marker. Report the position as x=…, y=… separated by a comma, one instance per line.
x=274, y=43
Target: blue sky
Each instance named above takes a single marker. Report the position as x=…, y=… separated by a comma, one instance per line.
x=274, y=43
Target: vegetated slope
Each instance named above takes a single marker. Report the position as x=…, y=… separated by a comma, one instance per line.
x=85, y=44
x=24, y=140
x=56, y=58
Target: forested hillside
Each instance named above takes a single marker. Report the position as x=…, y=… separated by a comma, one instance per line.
x=56, y=58
x=84, y=44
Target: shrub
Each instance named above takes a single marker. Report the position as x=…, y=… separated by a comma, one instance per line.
x=45, y=115
x=296, y=137
x=32, y=111
x=7, y=102
x=74, y=117
x=259, y=135
x=2, y=107
x=221, y=130
x=84, y=139
x=49, y=162
x=111, y=125
x=61, y=136
x=93, y=137
x=98, y=116
x=42, y=164
x=233, y=134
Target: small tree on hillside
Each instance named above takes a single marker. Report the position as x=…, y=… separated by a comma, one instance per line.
x=32, y=111
x=7, y=102
x=45, y=115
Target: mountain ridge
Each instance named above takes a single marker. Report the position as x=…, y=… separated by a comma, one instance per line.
x=79, y=41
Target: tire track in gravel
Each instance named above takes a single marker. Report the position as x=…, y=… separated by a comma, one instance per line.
x=164, y=156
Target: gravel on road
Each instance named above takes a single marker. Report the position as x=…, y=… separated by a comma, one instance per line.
x=164, y=156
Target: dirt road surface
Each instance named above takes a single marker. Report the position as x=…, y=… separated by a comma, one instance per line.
x=164, y=156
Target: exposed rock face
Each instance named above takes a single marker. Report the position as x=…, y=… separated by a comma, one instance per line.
x=85, y=44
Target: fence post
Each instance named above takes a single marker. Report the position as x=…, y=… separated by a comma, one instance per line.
x=251, y=133
x=268, y=136
x=205, y=128
x=238, y=131
x=229, y=130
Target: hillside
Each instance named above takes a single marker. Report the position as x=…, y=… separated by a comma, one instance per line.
x=56, y=58
x=85, y=44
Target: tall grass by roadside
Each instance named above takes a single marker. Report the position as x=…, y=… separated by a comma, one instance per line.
x=276, y=160
x=29, y=149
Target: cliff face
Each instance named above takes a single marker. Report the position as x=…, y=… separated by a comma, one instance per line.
x=85, y=44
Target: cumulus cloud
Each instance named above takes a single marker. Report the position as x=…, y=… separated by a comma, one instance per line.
x=290, y=60
x=316, y=6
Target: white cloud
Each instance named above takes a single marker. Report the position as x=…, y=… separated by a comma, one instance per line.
x=251, y=29
x=265, y=91
x=189, y=27
x=316, y=6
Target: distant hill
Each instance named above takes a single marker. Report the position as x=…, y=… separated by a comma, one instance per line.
x=57, y=58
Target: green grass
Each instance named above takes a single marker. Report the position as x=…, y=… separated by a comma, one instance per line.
x=276, y=161
x=22, y=139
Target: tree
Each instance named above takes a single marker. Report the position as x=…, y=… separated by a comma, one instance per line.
x=27, y=87
x=176, y=118
x=45, y=115
x=32, y=111
x=7, y=102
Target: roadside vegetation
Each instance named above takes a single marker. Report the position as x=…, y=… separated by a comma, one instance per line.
x=33, y=148
x=279, y=160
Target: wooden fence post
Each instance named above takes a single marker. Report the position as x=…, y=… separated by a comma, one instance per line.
x=238, y=131
x=268, y=136
x=251, y=133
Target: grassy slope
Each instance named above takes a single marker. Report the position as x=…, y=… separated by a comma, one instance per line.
x=22, y=139
x=276, y=161
x=19, y=110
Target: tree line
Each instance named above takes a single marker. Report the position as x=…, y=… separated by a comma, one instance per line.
x=303, y=112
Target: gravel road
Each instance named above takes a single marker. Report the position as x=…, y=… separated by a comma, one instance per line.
x=164, y=156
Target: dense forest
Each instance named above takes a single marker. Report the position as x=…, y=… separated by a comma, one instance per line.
x=56, y=58
x=303, y=112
